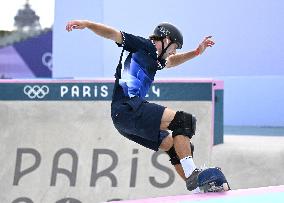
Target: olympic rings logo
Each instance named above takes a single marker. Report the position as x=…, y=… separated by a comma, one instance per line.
x=36, y=91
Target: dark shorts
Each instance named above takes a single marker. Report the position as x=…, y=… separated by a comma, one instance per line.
x=139, y=121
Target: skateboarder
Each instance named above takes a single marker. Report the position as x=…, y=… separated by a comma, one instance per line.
x=147, y=123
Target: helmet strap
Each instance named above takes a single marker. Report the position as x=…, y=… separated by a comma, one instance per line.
x=164, y=49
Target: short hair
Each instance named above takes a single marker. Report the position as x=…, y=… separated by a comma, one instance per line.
x=156, y=38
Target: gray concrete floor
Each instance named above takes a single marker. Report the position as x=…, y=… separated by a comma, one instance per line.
x=251, y=161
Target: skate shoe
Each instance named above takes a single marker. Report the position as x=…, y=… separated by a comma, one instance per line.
x=192, y=180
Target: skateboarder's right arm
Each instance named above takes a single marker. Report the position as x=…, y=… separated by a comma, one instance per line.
x=98, y=28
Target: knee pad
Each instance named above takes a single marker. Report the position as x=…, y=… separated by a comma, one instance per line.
x=183, y=124
x=174, y=159
x=192, y=149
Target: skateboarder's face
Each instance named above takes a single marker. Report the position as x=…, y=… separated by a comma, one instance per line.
x=171, y=50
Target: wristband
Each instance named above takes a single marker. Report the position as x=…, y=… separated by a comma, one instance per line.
x=197, y=52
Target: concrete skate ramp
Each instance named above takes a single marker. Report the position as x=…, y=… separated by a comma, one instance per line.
x=271, y=194
x=251, y=161
x=68, y=150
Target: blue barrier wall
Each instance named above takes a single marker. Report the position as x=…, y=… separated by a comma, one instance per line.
x=94, y=90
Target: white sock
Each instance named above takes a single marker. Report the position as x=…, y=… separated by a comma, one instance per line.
x=188, y=165
x=196, y=190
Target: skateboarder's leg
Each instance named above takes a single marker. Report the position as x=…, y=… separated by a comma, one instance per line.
x=183, y=126
x=167, y=146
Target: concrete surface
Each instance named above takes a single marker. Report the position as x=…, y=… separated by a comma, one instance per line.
x=50, y=151
x=251, y=161
x=53, y=150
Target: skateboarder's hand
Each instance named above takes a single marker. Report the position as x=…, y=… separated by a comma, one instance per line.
x=76, y=24
x=207, y=42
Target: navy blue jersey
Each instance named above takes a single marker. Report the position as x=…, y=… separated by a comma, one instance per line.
x=139, y=66
x=133, y=117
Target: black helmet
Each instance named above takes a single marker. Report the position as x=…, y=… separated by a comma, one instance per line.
x=171, y=31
